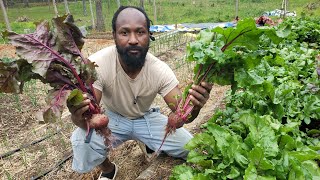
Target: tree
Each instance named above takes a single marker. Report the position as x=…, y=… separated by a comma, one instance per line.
x=26, y=3
x=84, y=7
x=155, y=11
x=108, y=5
x=237, y=8
x=141, y=4
x=92, y=16
x=99, y=15
x=55, y=7
x=5, y=15
x=118, y=3
x=66, y=6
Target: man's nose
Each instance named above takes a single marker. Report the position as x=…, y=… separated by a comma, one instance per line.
x=133, y=39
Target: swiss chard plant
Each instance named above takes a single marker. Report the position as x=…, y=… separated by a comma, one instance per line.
x=269, y=128
x=215, y=53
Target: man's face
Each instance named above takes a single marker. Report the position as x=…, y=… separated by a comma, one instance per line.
x=132, y=37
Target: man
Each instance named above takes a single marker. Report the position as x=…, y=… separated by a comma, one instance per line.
x=129, y=78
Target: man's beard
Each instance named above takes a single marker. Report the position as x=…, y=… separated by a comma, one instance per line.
x=133, y=61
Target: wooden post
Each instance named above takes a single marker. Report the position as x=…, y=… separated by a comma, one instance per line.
x=118, y=3
x=4, y=11
x=155, y=11
x=55, y=7
x=285, y=9
x=92, y=17
x=66, y=6
x=237, y=8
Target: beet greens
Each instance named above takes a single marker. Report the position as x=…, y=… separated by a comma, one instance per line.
x=54, y=57
x=217, y=57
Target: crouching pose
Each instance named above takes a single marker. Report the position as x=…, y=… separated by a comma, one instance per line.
x=129, y=78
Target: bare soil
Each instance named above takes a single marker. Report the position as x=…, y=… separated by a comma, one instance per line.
x=19, y=127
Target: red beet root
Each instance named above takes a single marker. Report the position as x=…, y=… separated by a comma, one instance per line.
x=174, y=121
x=100, y=122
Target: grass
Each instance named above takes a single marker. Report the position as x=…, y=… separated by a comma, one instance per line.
x=168, y=11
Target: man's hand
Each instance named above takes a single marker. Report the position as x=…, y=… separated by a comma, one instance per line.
x=78, y=111
x=199, y=94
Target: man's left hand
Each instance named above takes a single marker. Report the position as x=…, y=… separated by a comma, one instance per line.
x=199, y=94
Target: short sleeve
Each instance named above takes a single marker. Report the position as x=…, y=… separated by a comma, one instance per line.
x=168, y=80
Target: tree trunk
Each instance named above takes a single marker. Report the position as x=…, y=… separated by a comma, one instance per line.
x=66, y=6
x=142, y=4
x=118, y=3
x=100, y=20
x=5, y=15
x=108, y=5
x=55, y=7
x=25, y=3
x=92, y=16
x=154, y=12
x=84, y=7
x=237, y=8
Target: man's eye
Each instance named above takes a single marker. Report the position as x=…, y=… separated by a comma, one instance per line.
x=123, y=33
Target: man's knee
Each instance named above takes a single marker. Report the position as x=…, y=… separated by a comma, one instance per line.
x=86, y=156
x=179, y=139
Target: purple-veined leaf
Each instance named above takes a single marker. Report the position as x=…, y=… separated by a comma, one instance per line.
x=43, y=47
x=8, y=78
x=13, y=74
x=56, y=104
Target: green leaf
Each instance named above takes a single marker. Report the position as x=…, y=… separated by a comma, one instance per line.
x=305, y=155
x=261, y=134
x=287, y=142
x=257, y=157
x=182, y=172
x=296, y=172
x=284, y=31
x=244, y=34
x=75, y=97
x=251, y=173
x=234, y=173
x=205, y=36
x=311, y=168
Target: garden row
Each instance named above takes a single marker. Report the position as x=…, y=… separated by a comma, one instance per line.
x=270, y=127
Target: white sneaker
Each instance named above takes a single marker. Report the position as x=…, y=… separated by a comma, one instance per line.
x=147, y=156
x=114, y=176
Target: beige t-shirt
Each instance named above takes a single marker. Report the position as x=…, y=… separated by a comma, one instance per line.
x=131, y=98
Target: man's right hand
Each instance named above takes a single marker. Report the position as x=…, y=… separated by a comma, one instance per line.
x=77, y=112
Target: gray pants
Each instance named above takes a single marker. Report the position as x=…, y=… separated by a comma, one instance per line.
x=149, y=129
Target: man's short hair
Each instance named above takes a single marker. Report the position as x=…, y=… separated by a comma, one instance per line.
x=116, y=14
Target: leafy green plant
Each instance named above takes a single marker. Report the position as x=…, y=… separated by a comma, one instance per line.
x=268, y=129
x=214, y=55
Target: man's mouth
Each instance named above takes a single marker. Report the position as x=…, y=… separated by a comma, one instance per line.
x=134, y=51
